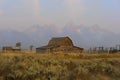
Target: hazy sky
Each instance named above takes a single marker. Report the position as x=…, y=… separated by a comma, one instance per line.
x=20, y=14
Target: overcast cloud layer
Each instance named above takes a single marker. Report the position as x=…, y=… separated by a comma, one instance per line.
x=19, y=14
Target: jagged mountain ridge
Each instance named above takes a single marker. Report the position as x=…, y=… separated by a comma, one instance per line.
x=39, y=35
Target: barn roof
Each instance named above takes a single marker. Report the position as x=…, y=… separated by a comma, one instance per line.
x=56, y=41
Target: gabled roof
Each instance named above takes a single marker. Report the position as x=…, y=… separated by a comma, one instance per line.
x=57, y=41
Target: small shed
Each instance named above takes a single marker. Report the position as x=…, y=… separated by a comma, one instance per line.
x=58, y=45
x=11, y=49
x=16, y=48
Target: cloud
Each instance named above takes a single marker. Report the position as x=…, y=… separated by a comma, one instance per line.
x=31, y=7
x=1, y=2
x=74, y=8
x=1, y=7
x=1, y=12
x=37, y=7
x=22, y=13
x=21, y=8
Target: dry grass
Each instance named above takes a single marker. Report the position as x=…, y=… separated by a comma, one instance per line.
x=24, y=66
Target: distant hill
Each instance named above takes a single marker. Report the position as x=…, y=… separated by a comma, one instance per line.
x=81, y=35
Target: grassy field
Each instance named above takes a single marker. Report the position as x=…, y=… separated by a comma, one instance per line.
x=17, y=66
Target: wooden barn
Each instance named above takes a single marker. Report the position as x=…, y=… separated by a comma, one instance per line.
x=58, y=45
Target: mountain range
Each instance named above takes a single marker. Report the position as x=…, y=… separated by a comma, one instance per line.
x=82, y=36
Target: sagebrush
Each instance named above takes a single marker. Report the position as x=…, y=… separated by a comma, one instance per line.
x=59, y=66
